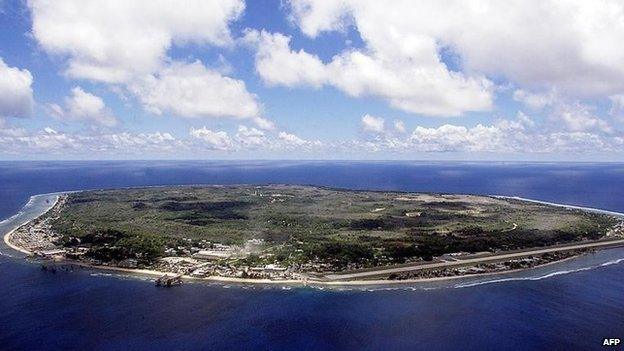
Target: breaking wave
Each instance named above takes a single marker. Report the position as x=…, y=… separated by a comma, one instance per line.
x=540, y=277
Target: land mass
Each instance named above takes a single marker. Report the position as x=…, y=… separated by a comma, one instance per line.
x=305, y=233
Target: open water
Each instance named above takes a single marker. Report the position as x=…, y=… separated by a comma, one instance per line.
x=570, y=305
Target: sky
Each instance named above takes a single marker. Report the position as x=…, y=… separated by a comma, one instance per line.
x=518, y=80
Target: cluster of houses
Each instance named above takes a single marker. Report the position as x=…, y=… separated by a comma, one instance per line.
x=212, y=262
x=38, y=237
x=270, y=271
x=203, y=260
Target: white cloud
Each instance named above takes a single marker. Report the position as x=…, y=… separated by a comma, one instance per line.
x=525, y=120
x=193, y=91
x=84, y=107
x=291, y=139
x=535, y=101
x=47, y=141
x=264, y=123
x=580, y=57
x=417, y=84
x=617, y=107
x=137, y=143
x=52, y=142
x=426, y=88
x=250, y=137
x=278, y=65
x=502, y=136
x=445, y=138
x=579, y=142
x=566, y=114
x=214, y=140
x=113, y=40
x=399, y=126
x=7, y=130
x=127, y=43
x=519, y=136
x=576, y=117
x=16, y=94
x=100, y=143
x=373, y=124
x=314, y=17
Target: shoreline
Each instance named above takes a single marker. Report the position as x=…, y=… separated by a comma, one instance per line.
x=308, y=282
x=303, y=283
x=572, y=207
x=7, y=236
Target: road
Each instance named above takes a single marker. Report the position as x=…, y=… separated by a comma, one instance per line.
x=472, y=261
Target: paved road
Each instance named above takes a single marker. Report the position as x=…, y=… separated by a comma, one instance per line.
x=469, y=261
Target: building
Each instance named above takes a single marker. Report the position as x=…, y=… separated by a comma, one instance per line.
x=129, y=263
x=212, y=254
x=51, y=253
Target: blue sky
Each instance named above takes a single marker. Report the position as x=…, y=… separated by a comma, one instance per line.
x=307, y=79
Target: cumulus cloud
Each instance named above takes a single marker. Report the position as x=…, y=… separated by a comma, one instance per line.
x=525, y=120
x=219, y=140
x=7, y=130
x=250, y=137
x=16, y=94
x=577, y=117
x=137, y=143
x=112, y=41
x=192, y=90
x=399, y=126
x=84, y=107
x=508, y=136
x=414, y=83
x=505, y=136
x=535, y=101
x=581, y=55
x=278, y=65
x=264, y=123
x=566, y=114
x=373, y=124
x=291, y=139
x=314, y=17
x=127, y=43
x=49, y=141
x=500, y=137
x=376, y=126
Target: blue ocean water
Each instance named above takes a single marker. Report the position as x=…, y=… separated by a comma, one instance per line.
x=93, y=310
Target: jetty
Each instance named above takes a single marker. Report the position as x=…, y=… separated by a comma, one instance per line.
x=169, y=280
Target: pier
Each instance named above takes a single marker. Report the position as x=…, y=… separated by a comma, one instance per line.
x=168, y=280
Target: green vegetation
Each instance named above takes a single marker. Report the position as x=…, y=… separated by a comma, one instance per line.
x=304, y=225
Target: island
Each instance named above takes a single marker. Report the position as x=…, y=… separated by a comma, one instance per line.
x=309, y=234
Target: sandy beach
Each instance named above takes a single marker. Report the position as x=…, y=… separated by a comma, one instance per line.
x=7, y=236
x=7, y=240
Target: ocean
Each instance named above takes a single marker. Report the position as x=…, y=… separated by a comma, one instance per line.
x=570, y=305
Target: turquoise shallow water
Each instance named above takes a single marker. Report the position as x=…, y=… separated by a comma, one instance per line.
x=571, y=305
